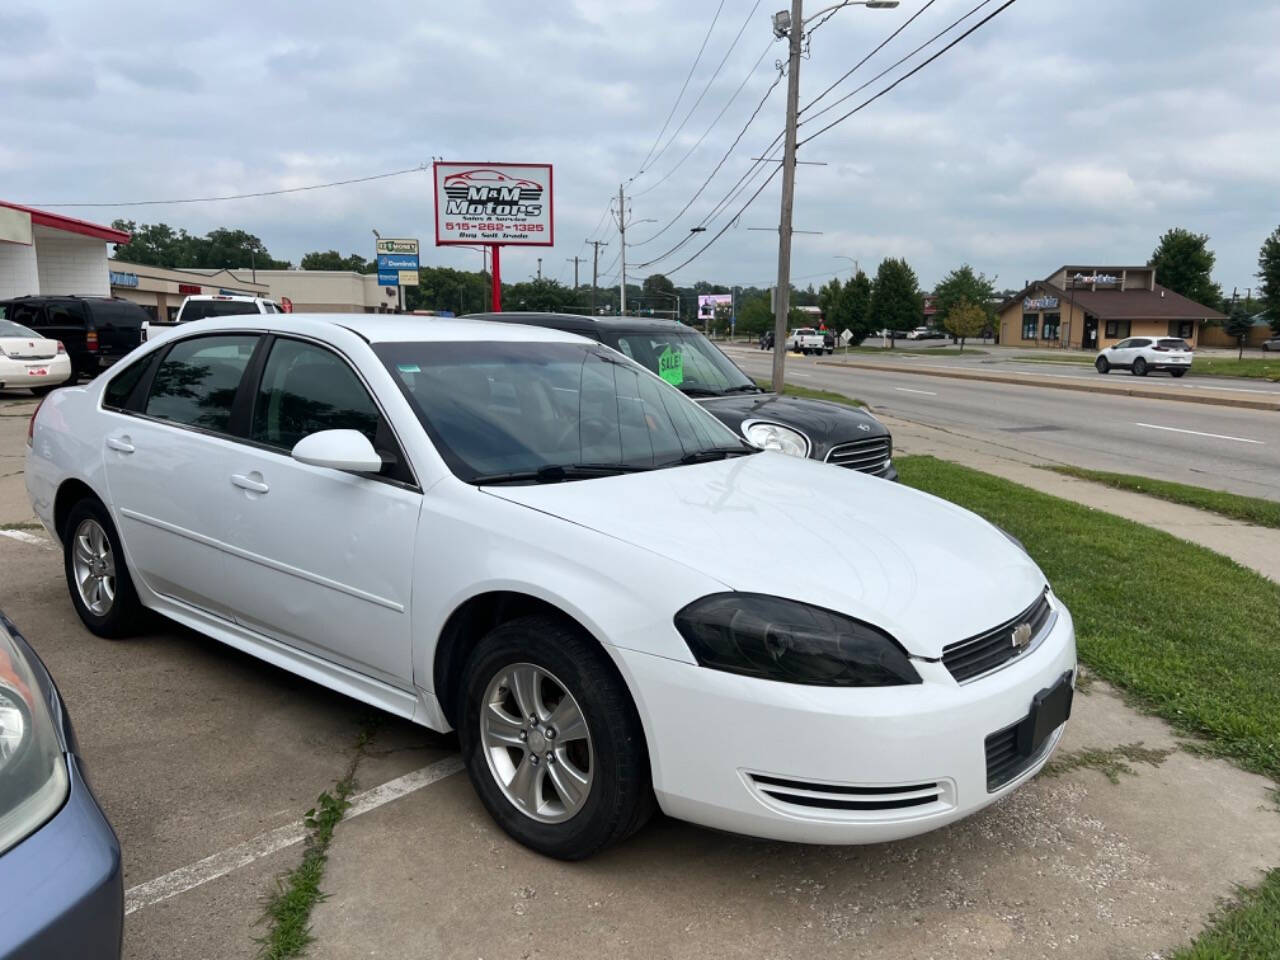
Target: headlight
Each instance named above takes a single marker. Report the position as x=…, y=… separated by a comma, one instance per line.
x=774, y=436
x=33, y=772
x=776, y=639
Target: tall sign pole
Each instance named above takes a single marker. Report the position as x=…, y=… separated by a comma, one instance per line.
x=494, y=256
x=783, y=304
x=622, y=240
x=595, y=271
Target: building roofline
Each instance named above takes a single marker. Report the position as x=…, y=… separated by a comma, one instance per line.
x=58, y=221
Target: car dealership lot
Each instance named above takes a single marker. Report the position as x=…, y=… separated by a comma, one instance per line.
x=196, y=750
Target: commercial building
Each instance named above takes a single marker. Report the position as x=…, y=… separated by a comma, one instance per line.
x=48, y=253
x=160, y=290
x=329, y=291
x=1092, y=307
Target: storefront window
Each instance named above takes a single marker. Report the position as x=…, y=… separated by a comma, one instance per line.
x=1052, y=323
x=1030, y=325
x=1117, y=328
x=1182, y=328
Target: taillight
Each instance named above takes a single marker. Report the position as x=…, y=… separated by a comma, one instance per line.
x=31, y=424
x=62, y=348
x=91, y=340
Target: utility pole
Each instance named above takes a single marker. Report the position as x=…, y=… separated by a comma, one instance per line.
x=783, y=305
x=575, y=270
x=622, y=239
x=539, y=268
x=595, y=270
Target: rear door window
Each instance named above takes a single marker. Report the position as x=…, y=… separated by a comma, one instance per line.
x=1173, y=344
x=65, y=315
x=202, y=309
x=197, y=381
x=26, y=314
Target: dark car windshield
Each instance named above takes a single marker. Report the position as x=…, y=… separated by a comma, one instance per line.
x=684, y=358
x=539, y=412
x=202, y=309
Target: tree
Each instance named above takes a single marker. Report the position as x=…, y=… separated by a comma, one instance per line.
x=963, y=286
x=754, y=314
x=1269, y=274
x=965, y=319
x=1184, y=264
x=333, y=260
x=657, y=285
x=159, y=245
x=542, y=295
x=1238, y=324
x=896, y=302
x=857, y=306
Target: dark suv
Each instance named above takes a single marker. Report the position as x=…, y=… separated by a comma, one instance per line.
x=97, y=331
x=682, y=356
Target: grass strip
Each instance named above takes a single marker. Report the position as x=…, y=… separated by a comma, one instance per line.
x=1255, y=510
x=811, y=394
x=1186, y=632
x=1248, y=929
x=288, y=909
x=1110, y=762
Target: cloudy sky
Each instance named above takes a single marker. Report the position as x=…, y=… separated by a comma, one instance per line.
x=1058, y=132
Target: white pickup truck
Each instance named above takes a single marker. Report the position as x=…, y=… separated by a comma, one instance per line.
x=805, y=340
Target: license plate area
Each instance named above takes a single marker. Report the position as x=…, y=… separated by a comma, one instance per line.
x=1015, y=748
x=37, y=372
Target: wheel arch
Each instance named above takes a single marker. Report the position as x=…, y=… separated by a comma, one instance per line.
x=70, y=492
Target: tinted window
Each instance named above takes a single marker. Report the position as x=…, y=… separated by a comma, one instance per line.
x=64, y=315
x=117, y=392
x=692, y=362
x=1173, y=344
x=509, y=408
x=197, y=380
x=117, y=313
x=200, y=309
x=10, y=329
x=306, y=389
x=1139, y=342
x=25, y=314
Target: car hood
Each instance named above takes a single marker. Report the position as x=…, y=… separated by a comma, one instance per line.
x=925, y=570
x=822, y=420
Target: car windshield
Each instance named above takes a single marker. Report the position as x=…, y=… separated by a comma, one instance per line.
x=522, y=412
x=10, y=329
x=1173, y=344
x=201, y=309
x=685, y=359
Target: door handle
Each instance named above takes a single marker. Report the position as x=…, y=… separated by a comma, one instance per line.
x=122, y=444
x=249, y=483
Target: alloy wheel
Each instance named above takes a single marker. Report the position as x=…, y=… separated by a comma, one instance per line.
x=536, y=742
x=95, y=567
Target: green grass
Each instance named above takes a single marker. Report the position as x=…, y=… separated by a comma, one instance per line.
x=1255, y=510
x=1110, y=762
x=811, y=394
x=1189, y=644
x=1248, y=929
x=1056, y=358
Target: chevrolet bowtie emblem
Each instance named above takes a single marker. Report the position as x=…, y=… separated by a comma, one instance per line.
x=1021, y=636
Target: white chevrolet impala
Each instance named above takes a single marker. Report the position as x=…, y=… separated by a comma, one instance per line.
x=521, y=534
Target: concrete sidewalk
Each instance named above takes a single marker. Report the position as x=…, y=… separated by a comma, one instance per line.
x=1255, y=547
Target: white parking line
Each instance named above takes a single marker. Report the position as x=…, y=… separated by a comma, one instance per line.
x=22, y=536
x=1216, y=436
x=927, y=393
x=220, y=864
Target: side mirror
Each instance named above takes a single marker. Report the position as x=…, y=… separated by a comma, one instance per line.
x=348, y=450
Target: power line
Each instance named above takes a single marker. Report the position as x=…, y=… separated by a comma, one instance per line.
x=680, y=96
x=883, y=43
x=913, y=71
x=240, y=196
x=707, y=86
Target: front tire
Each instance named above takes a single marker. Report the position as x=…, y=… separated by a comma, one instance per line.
x=97, y=576
x=552, y=740
x=1102, y=365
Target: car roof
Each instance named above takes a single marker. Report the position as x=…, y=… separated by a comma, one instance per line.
x=387, y=328
x=587, y=322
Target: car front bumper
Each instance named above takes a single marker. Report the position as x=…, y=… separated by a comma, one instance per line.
x=719, y=742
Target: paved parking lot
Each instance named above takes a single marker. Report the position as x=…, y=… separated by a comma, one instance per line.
x=206, y=759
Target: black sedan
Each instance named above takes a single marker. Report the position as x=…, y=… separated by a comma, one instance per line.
x=61, y=884
x=682, y=356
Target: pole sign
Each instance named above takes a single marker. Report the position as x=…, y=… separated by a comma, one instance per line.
x=708, y=303
x=397, y=263
x=494, y=203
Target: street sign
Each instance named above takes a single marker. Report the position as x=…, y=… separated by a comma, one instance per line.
x=397, y=262
x=388, y=278
x=408, y=278
x=405, y=246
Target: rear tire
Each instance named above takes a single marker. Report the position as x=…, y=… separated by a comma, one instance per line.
x=1102, y=365
x=1177, y=373
x=1139, y=368
x=97, y=576
x=569, y=669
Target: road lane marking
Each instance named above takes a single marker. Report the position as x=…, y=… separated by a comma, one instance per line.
x=1216, y=436
x=927, y=393
x=241, y=855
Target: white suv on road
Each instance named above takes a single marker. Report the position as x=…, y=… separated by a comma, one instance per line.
x=1140, y=355
x=520, y=533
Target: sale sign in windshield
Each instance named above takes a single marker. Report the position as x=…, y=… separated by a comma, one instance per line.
x=494, y=203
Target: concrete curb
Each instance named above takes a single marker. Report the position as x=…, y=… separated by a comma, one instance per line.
x=1029, y=380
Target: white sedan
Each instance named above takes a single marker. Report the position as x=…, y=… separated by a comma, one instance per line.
x=29, y=361
x=521, y=534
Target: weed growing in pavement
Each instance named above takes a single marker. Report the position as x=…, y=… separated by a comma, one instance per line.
x=1110, y=762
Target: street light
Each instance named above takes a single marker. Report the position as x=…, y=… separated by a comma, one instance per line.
x=856, y=269
x=782, y=19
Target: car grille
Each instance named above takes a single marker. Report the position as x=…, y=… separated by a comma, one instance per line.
x=866, y=456
x=971, y=658
x=1004, y=761
x=827, y=796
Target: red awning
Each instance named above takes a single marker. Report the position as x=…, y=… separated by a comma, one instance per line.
x=57, y=221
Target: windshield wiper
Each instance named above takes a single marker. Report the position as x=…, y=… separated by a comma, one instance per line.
x=699, y=391
x=716, y=453
x=744, y=388
x=555, y=473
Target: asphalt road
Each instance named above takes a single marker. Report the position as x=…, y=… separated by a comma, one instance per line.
x=1226, y=448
